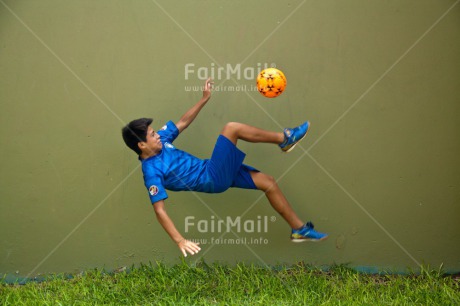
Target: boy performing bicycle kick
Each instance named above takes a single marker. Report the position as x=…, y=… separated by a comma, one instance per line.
x=166, y=167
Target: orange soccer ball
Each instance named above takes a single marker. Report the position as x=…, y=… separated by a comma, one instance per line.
x=271, y=82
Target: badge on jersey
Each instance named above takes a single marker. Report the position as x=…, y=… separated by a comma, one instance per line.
x=153, y=190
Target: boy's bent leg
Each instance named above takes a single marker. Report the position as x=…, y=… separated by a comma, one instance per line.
x=276, y=198
x=235, y=130
x=300, y=232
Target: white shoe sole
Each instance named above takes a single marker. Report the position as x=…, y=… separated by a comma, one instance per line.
x=311, y=240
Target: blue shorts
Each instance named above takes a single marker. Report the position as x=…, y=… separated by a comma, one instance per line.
x=226, y=167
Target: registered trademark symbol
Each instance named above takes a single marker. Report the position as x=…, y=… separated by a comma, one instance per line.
x=272, y=218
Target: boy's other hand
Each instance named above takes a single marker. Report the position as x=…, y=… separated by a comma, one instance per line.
x=188, y=246
x=207, y=89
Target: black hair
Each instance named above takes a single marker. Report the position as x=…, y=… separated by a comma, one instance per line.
x=135, y=132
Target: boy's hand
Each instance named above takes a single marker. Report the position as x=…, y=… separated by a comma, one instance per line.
x=207, y=89
x=188, y=246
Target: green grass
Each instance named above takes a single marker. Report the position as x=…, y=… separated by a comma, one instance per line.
x=203, y=284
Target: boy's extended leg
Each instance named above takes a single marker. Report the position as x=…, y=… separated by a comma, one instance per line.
x=235, y=130
x=300, y=231
x=286, y=140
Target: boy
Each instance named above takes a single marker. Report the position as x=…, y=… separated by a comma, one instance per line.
x=166, y=167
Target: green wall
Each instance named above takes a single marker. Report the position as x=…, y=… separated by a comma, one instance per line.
x=379, y=171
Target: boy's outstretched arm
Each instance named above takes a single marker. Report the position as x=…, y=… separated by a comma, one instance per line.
x=191, y=114
x=183, y=244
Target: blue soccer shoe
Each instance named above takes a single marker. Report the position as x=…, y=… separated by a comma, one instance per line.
x=307, y=233
x=293, y=136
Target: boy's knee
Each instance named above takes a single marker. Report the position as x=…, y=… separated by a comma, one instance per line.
x=231, y=131
x=231, y=126
x=266, y=182
x=270, y=180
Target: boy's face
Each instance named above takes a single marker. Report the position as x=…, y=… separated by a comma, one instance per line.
x=152, y=144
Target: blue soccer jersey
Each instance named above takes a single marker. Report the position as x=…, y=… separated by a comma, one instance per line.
x=174, y=169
